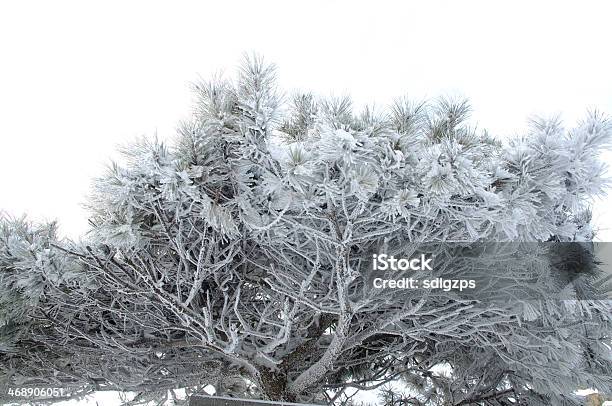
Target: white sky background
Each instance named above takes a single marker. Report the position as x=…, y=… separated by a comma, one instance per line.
x=78, y=78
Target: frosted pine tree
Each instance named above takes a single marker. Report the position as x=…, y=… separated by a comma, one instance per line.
x=239, y=256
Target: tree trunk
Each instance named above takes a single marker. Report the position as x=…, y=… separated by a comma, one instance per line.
x=274, y=385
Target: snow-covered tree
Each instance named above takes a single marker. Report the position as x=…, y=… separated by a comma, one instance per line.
x=240, y=257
